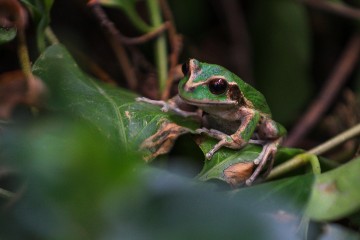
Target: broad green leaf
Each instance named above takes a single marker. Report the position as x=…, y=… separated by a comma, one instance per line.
x=223, y=159
x=335, y=194
x=79, y=185
x=113, y=111
x=281, y=44
x=7, y=34
x=71, y=174
x=40, y=11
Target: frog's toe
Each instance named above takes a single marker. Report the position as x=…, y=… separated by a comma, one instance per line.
x=209, y=155
x=202, y=130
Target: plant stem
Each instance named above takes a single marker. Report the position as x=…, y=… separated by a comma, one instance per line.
x=304, y=158
x=342, y=137
x=160, y=44
x=51, y=36
x=23, y=54
x=294, y=163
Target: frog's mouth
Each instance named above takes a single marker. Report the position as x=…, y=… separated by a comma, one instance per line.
x=208, y=102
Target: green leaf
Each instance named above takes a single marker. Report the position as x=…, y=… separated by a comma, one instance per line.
x=7, y=34
x=80, y=184
x=40, y=11
x=289, y=194
x=223, y=159
x=113, y=111
x=335, y=194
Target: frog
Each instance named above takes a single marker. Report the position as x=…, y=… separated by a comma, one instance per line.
x=231, y=111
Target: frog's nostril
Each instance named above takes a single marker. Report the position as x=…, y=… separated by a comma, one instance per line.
x=188, y=88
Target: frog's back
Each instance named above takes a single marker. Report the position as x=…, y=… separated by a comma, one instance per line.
x=255, y=97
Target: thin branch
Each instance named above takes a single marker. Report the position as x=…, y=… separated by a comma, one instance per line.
x=338, y=77
x=50, y=35
x=337, y=8
x=175, y=40
x=115, y=40
x=240, y=54
x=145, y=37
x=339, y=139
x=95, y=69
x=302, y=159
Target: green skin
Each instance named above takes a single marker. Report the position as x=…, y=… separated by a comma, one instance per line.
x=236, y=115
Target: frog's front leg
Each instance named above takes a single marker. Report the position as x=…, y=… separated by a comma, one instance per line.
x=240, y=138
x=168, y=105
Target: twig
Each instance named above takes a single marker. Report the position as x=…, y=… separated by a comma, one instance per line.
x=50, y=35
x=352, y=132
x=146, y=37
x=337, y=8
x=115, y=40
x=240, y=50
x=95, y=69
x=304, y=158
x=176, y=46
x=333, y=85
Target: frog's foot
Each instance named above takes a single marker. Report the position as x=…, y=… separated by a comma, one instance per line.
x=267, y=154
x=225, y=141
x=166, y=106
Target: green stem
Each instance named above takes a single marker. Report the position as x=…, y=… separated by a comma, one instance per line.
x=23, y=54
x=310, y=156
x=50, y=35
x=296, y=162
x=136, y=20
x=160, y=44
x=342, y=137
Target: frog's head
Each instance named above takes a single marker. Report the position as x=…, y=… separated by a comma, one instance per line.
x=209, y=84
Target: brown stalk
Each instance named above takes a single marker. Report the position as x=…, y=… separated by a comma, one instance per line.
x=115, y=41
x=175, y=40
x=146, y=37
x=334, y=83
x=240, y=50
x=337, y=8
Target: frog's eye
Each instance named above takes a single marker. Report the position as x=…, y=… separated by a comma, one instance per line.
x=218, y=86
x=185, y=68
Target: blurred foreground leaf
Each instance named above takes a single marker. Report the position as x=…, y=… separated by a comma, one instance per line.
x=80, y=186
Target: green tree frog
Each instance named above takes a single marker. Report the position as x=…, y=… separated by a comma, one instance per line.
x=232, y=111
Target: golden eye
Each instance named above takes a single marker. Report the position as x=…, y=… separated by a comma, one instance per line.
x=218, y=86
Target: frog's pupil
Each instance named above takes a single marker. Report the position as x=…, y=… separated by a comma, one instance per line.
x=185, y=68
x=218, y=86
